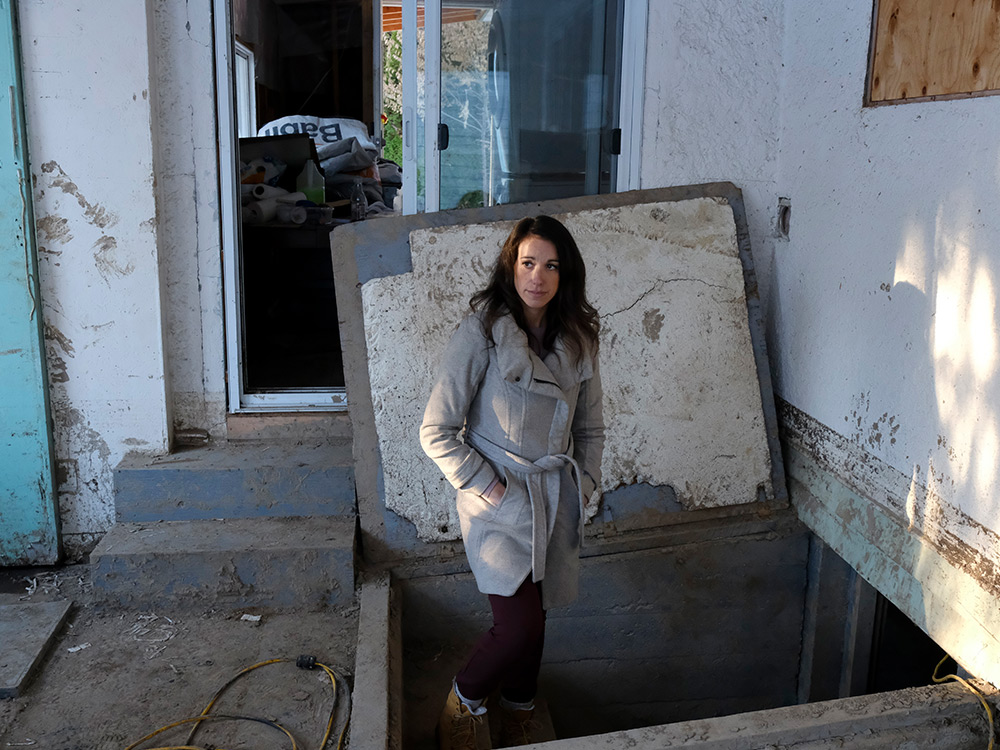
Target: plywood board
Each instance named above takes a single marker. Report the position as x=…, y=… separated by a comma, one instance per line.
x=926, y=48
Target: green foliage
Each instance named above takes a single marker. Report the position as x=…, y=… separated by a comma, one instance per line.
x=393, y=130
x=392, y=95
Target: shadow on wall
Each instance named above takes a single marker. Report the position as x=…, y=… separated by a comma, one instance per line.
x=920, y=432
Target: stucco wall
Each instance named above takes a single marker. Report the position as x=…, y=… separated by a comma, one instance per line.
x=883, y=303
x=712, y=105
x=892, y=261
x=87, y=102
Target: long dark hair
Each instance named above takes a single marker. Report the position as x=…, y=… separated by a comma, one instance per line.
x=568, y=314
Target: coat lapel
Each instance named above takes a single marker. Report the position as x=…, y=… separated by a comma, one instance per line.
x=553, y=377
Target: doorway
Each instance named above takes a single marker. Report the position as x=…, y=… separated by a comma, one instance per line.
x=276, y=59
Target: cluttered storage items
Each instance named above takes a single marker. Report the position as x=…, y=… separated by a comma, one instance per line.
x=300, y=178
x=318, y=170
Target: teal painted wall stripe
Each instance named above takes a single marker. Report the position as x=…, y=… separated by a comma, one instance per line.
x=28, y=520
x=947, y=603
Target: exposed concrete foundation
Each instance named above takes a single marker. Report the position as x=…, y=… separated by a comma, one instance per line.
x=700, y=621
x=394, y=670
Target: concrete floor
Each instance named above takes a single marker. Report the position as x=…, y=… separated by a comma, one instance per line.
x=112, y=676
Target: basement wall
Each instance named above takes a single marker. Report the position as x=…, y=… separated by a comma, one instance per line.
x=89, y=123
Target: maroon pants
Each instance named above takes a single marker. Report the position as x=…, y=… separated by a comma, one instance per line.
x=509, y=654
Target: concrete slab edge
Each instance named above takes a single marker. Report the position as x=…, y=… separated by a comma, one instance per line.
x=376, y=708
x=927, y=716
x=61, y=611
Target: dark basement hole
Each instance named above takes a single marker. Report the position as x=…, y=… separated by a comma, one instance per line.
x=902, y=654
x=723, y=641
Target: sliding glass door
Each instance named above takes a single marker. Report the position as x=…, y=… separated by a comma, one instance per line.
x=506, y=101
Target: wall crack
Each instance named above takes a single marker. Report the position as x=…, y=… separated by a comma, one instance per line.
x=656, y=285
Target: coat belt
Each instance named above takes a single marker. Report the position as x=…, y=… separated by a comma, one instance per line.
x=543, y=482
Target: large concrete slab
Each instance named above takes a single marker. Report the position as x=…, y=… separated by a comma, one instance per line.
x=228, y=480
x=26, y=633
x=275, y=563
x=688, y=393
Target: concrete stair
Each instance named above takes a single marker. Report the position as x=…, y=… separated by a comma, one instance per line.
x=239, y=525
x=237, y=480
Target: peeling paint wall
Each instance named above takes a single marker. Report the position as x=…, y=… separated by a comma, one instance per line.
x=682, y=402
x=882, y=301
x=884, y=310
x=87, y=105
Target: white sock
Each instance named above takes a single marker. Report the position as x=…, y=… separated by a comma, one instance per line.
x=512, y=706
x=475, y=707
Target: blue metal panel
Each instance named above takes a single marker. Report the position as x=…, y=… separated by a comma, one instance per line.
x=29, y=531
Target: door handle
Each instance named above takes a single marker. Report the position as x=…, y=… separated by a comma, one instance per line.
x=442, y=136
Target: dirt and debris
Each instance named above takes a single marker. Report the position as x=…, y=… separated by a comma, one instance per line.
x=114, y=676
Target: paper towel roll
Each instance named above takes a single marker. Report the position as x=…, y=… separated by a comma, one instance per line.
x=292, y=214
x=260, y=192
x=292, y=198
x=267, y=209
x=261, y=211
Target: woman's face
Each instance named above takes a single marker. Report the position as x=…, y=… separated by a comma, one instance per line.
x=536, y=276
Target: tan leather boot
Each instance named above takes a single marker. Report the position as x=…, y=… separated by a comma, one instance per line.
x=517, y=728
x=460, y=729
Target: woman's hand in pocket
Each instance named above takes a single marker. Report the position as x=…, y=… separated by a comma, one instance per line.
x=495, y=495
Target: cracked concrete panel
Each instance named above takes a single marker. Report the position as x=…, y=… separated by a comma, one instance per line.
x=681, y=397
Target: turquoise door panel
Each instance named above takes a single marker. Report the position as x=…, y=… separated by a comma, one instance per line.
x=29, y=532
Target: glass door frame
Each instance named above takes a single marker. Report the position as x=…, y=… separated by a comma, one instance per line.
x=631, y=95
x=327, y=399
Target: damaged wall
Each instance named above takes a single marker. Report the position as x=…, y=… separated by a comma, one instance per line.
x=87, y=106
x=712, y=106
x=882, y=301
x=884, y=331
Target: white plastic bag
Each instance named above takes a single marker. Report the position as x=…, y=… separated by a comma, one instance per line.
x=323, y=130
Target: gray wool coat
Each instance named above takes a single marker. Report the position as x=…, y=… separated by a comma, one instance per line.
x=538, y=425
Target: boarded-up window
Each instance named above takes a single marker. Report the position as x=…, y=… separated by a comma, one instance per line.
x=925, y=49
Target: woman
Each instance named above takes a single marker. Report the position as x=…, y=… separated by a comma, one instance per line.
x=520, y=376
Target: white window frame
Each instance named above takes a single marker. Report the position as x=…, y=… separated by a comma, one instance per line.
x=632, y=94
x=244, y=81
x=229, y=213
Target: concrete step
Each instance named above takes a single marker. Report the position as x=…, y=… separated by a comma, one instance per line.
x=289, y=426
x=238, y=480
x=271, y=563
